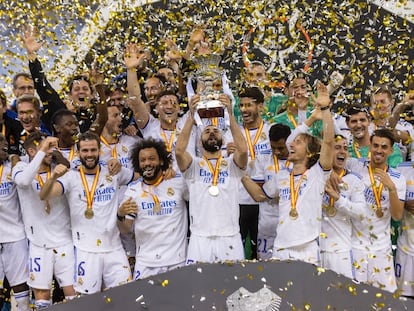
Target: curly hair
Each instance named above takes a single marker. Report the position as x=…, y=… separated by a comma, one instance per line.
x=158, y=145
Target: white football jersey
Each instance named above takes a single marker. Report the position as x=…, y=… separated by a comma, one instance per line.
x=11, y=222
x=370, y=232
x=337, y=230
x=100, y=233
x=161, y=235
x=214, y=215
x=307, y=226
x=406, y=238
x=45, y=227
x=261, y=147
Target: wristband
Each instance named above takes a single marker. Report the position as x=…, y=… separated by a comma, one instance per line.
x=325, y=108
x=120, y=218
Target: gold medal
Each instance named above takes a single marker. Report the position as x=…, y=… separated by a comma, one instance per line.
x=213, y=191
x=108, y=178
x=379, y=212
x=331, y=211
x=157, y=207
x=293, y=214
x=89, y=213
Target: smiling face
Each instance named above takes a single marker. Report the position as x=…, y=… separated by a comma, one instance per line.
x=380, y=149
x=168, y=109
x=28, y=116
x=340, y=153
x=298, y=150
x=149, y=164
x=81, y=93
x=251, y=111
x=358, y=124
x=89, y=154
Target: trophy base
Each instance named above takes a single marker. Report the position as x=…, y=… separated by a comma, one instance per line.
x=214, y=112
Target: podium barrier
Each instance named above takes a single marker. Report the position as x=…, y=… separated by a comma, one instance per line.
x=270, y=285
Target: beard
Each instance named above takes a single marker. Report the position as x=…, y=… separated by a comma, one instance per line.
x=211, y=146
x=88, y=165
x=146, y=173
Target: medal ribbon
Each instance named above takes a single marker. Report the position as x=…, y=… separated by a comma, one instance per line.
x=377, y=191
x=215, y=171
x=276, y=163
x=294, y=192
x=89, y=194
x=151, y=186
x=1, y=171
x=41, y=183
x=114, y=154
x=168, y=143
x=3, y=129
x=256, y=139
x=292, y=119
x=356, y=150
x=331, y=200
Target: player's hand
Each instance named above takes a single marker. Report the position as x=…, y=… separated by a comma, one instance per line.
x=114, y=167
x=48, y=143
x=329, y=189
x=335, y=181
x=59, y=171
x=128, y=207
x=385, y=179
x=30, y=40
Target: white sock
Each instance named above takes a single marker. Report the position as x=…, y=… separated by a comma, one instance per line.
x=22, y=300
x=42, y=304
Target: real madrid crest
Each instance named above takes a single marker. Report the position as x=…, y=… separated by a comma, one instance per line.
x=170, y=192
x=124, y=149
x=223, y=163
x=263, y=136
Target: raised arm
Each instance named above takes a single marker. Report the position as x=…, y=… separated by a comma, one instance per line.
x=322, y=102
x=51, y=187
x=133, y=60
x=48, y=95
x=182, y=156
x=101, y=111
x=241, y=153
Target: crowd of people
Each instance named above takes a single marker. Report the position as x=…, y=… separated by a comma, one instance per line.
x=118, y=182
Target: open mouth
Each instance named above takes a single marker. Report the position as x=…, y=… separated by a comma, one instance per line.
x=148, y=171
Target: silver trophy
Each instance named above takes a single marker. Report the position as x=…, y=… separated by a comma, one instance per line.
x=207, y=72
